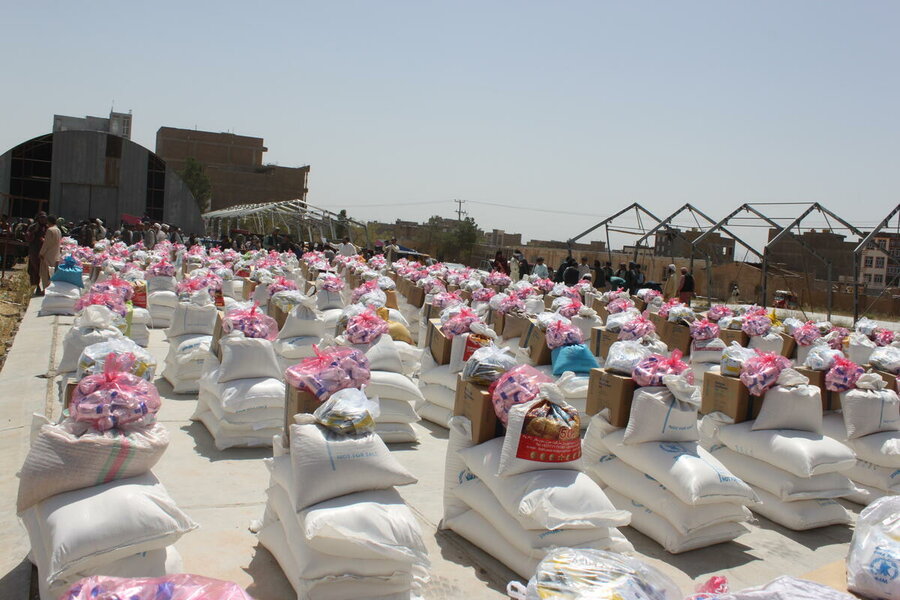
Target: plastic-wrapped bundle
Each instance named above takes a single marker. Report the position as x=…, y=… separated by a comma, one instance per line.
x=576, y=573
x=623, y=357
x=842, y=376
x=281, y=284
x=111, y=301
x=332, y=283
x=883, y=337
x=460, y=322
x=251, y=322
x=866, y=326
x=757, y=325
x=183, y=586
x=886, y=359
x=667, y=306
x=761, y=372
x=613, y=294
x=835, y=338
x=807, y=334
x=162, y=268
x=497, y=278
x=518, y=385
x=563, y=333
x=717, y=311
x=115, y=286
x=651, y=370
x=822, y=357
x=488, y=364
x=681, y=314
x=619, y=305
x=365, y=327
x=115, y=398
x=330, y=370
x=442, y=300
x=94, y=357
x=483, y=295
x=704, y=329
x=570, y=308
x=544, y=285
x=431, y=285
x=733, y=359
x=69, y=271
x=363, y=289
x=348, y=412
x=636, y=329
x=872, y=561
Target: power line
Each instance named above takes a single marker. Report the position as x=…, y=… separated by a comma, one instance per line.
x=459, y=211
x=380, y=204
x=542, y=210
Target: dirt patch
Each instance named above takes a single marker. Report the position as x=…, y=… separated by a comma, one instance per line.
x=15, y=293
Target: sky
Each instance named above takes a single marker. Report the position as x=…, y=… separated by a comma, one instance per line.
x=544, y=116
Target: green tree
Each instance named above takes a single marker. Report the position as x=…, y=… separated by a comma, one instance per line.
x=198, y=182
x=463, y=238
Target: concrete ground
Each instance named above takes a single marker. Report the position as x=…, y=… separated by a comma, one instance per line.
x=225, y=490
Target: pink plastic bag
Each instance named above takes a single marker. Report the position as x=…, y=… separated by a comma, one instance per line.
x=718, y=311
x=281, y=284
x=704, y=329
x=332, y=283
x=756, y=325
x=432, y=285
x=365, y=327
x=113, y=302
x=362, y=290
x=665, y=308
x=560, y=333
x=636, y=329
x=807, y=334
x=708, y=591
x=883, y=337
x=650, y=371
x=760, y=372
x=510, y=303
x=483, y=295
x=843, y=375
x=571, y=309
x=442, y=300
x=115, y=398
x=544, y=285
x=460, y=322
x=115, y=286
x=251, y=322
x=161, y=269
x=836, y=337
x=497, y=278
x=171, y=587
x=330, y=370
x=516, y=386
x=619, y=305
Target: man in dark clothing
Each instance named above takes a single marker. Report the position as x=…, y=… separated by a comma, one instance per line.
x=570, y=274
x=686, y=287
x=558, y=276
x=607, y=276
x=632, y=278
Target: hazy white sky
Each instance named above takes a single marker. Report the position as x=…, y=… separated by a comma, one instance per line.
x=566, y=107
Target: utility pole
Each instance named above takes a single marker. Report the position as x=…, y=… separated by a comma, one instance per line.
x=459, y=211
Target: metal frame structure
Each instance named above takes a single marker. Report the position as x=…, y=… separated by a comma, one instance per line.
x=864, y=244
x=293, y=214
x=638, y=209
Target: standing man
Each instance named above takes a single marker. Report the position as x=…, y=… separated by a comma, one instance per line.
x=686, y=286
x=50, y=251
x=391, y=250
x=345, y=248
x=540, y=269
x=149, y=237
x=34, y=235
x=584, y=268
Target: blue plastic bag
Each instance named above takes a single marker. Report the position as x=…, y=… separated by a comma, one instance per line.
x=576, y=358
x=69, y=271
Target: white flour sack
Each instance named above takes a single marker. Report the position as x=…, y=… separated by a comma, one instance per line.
x=799, y=452
x=645, y=490
x=802, y=514
x=870, y=408
x=533, y=543
x=658, y=416
x=190, y=317
x=244, y=357
x=781, y=484
x=382, y=354
x=303, y=320
x=327, y=465
x=541, y=434
x=881, y=449
x=455, y=469
x=874, y=560
x=792, y=404
x=880, y=478
x=684, y=468
x=660, y=529
x=546, y=499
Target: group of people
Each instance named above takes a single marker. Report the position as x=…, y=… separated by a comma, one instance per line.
x=630, y=276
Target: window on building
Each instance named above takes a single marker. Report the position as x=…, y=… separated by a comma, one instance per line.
x=29, y=176
x=879, y=262
x=868, y=261
x=868, y=278
x=156, y=186
x=879, y=278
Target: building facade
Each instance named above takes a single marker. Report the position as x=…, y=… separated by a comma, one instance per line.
x=79, y=174
x=876, y=270
x=832, y=246
x=117, y=124
x=234, y=165
x=668, y=243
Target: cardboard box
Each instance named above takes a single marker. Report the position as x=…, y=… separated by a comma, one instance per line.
x=601, y=340
x=247, y=289
x=609, y=390
x=536, y=341
x=661, y=323
x=678, y=337
x=296, y=401
x=393, y=276
x=639, y=304
x=391, y=301
x=600, y=307
x=416, y=296
x=734, y=335
x=728, y=395
x=789, y=349
x=548, y=301
x=277, y=313
x=510, y=326
x=439, y=343
x=69, y=392
x=889, y=379
x=214, y=345
x=403, y=286
x=466, y=295
x=474, y=401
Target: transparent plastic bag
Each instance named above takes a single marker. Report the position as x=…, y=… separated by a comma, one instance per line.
x=873, y=563
x=883, y=337
x=619, y=305
x=651, y=370
x=614, y=323
x=623, y=357
x=93, y=358
x=113, y=302
x=843, y=375
x=365, y=327
x=585, y=574
x=704, y=329
x=461, y=322
x=518, y=385
x=115, y=398
x=162, y=268
x=866, y=326
x=807, y=334
x=329, y=371
x=348, y=412
x=561, y=333
x=488, y=364
x=821, y=357
x=679, y=314
x=183, y=586
x=733, y=359
x=886, y=358
x=636, y=329
x=251, y=322
x=717, y=311
x=761, y=372
x=757, y=325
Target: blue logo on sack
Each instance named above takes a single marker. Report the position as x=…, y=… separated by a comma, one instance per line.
x=883, y=570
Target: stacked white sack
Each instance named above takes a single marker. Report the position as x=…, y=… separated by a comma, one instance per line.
x=60, y=298
x=519, y=518
x=303, y=329
x=678, y=493
x=437, y=385
x=161, y=300
x=338, y=528
x=189, y=336
x=871, y=414
x=137, y=326
x=95, y=324
x=796, y=471
x=241, y=399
